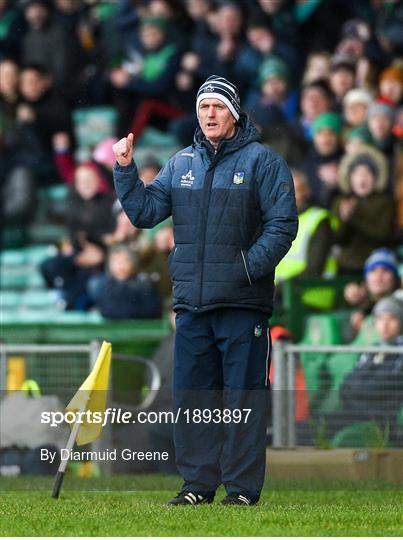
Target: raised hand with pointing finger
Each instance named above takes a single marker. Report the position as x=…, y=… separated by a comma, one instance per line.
x=123, y=150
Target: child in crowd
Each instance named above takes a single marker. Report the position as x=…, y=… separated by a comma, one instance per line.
x=355, y=106
x=123, y=293
x=365, y=211
x=355, y=138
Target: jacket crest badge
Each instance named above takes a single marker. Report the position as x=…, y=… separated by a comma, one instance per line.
x=258, y=330
x=239, y=178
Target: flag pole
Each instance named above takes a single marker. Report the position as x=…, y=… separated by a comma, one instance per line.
x=63, y=462
x=85, y=397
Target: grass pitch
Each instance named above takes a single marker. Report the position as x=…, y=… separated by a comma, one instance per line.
x=134, y=506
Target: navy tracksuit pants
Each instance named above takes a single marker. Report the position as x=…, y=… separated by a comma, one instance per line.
x=221, y=368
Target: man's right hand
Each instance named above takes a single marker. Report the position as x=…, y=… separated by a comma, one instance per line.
x=123, y=150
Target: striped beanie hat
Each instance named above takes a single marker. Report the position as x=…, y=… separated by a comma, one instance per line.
x=219, y=88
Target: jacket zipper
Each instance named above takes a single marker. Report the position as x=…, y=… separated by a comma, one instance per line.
x=206, y=200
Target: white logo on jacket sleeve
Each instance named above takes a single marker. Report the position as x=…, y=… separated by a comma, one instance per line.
x=187, y=179
x=239, y=178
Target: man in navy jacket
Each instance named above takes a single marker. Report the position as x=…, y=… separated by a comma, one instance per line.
x=234, y=215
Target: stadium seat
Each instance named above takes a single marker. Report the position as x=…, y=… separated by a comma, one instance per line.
x=93, y=125
x=14, y=279
x=9, y=300
x=40, y=233
x=37, y=254
x=37, y=299
x=13, y=257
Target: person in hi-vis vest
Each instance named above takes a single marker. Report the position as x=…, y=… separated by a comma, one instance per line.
x=310, y=253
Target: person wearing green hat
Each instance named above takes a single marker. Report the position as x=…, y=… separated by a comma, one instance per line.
x=321, y=163
x=275, y=68
x=277, y=102
x=356, y=137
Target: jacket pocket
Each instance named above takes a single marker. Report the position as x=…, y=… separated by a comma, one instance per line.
x=243, y=255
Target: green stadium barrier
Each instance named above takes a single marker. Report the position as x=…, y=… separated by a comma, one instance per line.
x=294, y=311
x=139, y=337
x=320, y=330
x=339, y=365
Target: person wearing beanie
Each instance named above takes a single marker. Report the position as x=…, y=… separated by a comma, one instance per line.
x=380, y=280
x=373, y=390
x=390, y=311
x=378, y=108
x=234, y=217
x=391, y=85
x=276, y=103
x=380, y=120
x=384, y=258
x=356, y=137
x=321, y=163
x=355, y=106
x=328, y=120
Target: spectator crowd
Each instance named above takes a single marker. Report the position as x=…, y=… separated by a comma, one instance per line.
x=321, y=80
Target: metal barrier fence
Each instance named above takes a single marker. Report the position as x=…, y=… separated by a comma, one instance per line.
x=284, y=391
x=59, y=370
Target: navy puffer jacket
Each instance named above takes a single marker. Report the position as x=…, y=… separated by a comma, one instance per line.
x=234, y=218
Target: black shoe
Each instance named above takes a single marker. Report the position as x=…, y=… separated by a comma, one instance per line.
x=189, y=498
x=237, y=499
